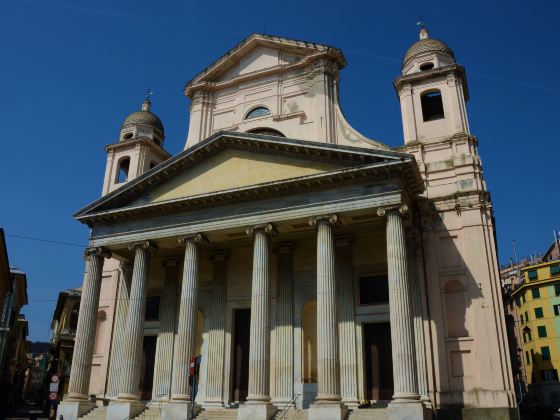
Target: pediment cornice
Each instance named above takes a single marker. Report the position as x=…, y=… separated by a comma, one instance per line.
x=357, y=165
x=311, y=51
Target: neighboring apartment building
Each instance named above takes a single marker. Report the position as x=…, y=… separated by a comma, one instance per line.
x=5, y=275
x=533, y=319
x=13, y=330
x=64, y=324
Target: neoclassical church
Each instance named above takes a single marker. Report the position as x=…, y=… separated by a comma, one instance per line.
x=309, y=266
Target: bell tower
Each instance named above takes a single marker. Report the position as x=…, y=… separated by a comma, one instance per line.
x=432, y=91
x=139, y=148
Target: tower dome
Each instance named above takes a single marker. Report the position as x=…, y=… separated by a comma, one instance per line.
x=143, y=124
x=426, y=46
x=144, y=117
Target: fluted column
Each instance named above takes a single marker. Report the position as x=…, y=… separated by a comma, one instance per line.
x=402, y=331
x=117, y=353
x=87, y=324
x=134, y=336
x=164, y=347
x=415, y=293
x=186, y=328
x=346, y=325
x=259, y=347
x=327, y=324
x=284, y=344
x=216, y=336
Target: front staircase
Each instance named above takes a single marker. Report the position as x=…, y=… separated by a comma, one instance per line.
x=291, y=413
x=149, y=413
x=217, y=414
x=98, y=413
x=377, y=411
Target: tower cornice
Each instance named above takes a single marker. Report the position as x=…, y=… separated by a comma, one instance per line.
x=456, y=69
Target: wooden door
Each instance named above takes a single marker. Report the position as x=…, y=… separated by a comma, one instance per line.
x=240, y=371
x=148, y=363
x=378, y=361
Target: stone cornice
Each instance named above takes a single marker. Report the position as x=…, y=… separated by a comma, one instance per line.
x=157, y=150
x=414, y=78
x=330, y=180
x=204, y=79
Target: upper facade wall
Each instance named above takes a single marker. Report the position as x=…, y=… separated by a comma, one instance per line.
x=300, y=90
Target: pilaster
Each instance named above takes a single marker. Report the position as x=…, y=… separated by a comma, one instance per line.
x=346, y=324
x=284, y=368
x=164, y=348
x=216, y=336
x=117, y=354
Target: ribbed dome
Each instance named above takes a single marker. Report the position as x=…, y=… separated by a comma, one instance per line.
x=427, y=45
x=143, y=117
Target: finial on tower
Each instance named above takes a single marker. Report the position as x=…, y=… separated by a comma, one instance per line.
x=146, y=104
x=423, y=30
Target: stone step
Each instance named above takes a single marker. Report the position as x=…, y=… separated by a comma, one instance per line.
x=217, y=414
x=98, y=413
x=373, y=413
x=291, y=414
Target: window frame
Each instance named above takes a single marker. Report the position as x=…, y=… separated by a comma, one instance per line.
x=541, y=331
x=532, y=275
x=249, y=114
x=536, y=291
x=539, y=312
x=547, y=356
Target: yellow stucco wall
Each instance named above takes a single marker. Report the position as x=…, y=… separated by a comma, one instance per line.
x=536, y=300
x=235, y=169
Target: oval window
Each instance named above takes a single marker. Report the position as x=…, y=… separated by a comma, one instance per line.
x=426, y=66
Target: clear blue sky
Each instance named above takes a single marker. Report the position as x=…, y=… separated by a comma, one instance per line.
x=71, y=71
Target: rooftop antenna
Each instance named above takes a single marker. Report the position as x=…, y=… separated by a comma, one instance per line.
x=515, y=259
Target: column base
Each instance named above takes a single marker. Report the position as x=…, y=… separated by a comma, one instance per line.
x=178, y=410
x=327, y=410
x=255, y=411
x=408, y=411
x=119, y=409
x=71, y=410
x=351, y=403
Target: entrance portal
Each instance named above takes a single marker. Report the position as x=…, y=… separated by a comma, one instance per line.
x=148, y=363
x=240, y=371
x=378, y=361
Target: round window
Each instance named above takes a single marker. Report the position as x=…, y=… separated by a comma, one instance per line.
x=127, y=136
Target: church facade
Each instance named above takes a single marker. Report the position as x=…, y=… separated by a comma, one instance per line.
x=309, y=266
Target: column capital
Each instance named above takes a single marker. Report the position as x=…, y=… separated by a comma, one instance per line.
x=220, y=255
x=401, y=208
x=97, y=251
x=265, y=227
x=331, y=219
x=284, y=247
x=149, y=246
x=343, y=240
x=197, y=238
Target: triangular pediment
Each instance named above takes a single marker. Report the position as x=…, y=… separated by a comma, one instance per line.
x=231, y=169
x=261, y=52
x=242, y=166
